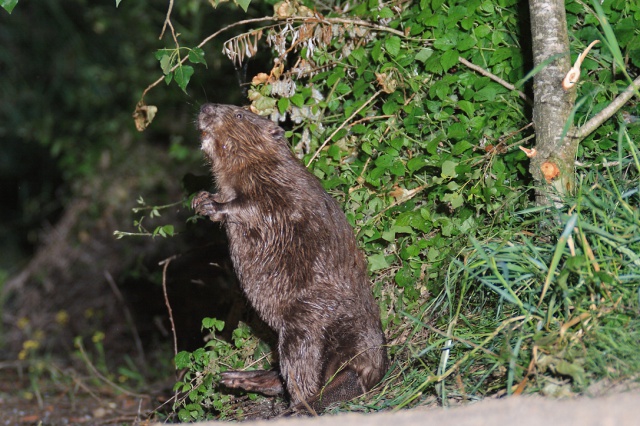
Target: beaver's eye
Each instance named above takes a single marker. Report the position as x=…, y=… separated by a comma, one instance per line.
x=239, y=116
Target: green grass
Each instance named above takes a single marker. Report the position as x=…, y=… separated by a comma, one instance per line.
x=550, y=306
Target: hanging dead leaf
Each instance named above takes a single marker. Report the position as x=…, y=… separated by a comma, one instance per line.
x=144, y=115
x=261, y=78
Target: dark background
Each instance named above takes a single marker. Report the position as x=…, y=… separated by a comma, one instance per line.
x=72, y=166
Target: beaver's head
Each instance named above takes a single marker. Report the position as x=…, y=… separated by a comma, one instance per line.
x=234, y=138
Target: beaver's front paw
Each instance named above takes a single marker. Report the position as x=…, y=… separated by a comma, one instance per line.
x=207, y=204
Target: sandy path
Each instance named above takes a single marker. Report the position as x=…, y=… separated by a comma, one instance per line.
x=614, y=410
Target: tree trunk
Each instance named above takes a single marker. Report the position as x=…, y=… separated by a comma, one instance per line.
x=552, y=166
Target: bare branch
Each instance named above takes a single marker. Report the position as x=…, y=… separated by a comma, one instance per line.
x=588, y=127
x=167, y=20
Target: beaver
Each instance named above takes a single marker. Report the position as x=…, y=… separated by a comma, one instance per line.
x=297, y=262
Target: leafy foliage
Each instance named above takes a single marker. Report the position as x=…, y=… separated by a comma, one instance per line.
x=203, y=366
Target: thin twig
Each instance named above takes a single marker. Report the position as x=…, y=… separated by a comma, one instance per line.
x=128, y=317
x=167, y=20
x=165, y=264
x=493, y=77
x=202, y=43
x=344, y=123
x=595, y=122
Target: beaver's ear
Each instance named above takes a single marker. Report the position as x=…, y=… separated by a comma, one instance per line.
x=277, y=132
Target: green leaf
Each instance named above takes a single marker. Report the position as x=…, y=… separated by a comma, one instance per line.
x=392, y=44
x=182, y=359
x=482, y=31
x=465, y=43
x=244, y=4
x=467, y=107
x=117, y=3
x=8, y=5
x=297, y=100
x=165, y=63
x=446, y=42
x=416, y=163
x=397, y=168
x=167, y=230
x=386, y=13
x=455, y=199
x=211, y=323
x=182, y=76
x=196, y=56
x=384, y=161
x=500, y=54
x=487, y=93
x=449, y=169
x=449, y=59
x=424, y=54
x=283, y=105
x=461, y=147
x=376, y=52
x=377, y=261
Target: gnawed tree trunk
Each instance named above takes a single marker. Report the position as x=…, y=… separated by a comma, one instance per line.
x=552, y=166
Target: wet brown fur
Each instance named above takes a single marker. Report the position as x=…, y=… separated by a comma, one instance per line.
x=296, y=259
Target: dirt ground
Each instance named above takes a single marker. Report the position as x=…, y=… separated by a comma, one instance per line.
x=68, y=398
x=613, y=410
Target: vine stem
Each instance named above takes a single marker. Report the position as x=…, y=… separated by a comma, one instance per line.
x=340, y=127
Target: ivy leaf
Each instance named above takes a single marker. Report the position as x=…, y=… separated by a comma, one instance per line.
x=182, y=76
x=244, y=4
x=392, y=44
x=8, y=5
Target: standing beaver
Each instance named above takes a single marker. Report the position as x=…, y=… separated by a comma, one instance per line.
x=297, y=262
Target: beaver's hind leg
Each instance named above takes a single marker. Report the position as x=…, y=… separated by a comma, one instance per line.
x=266, y=382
